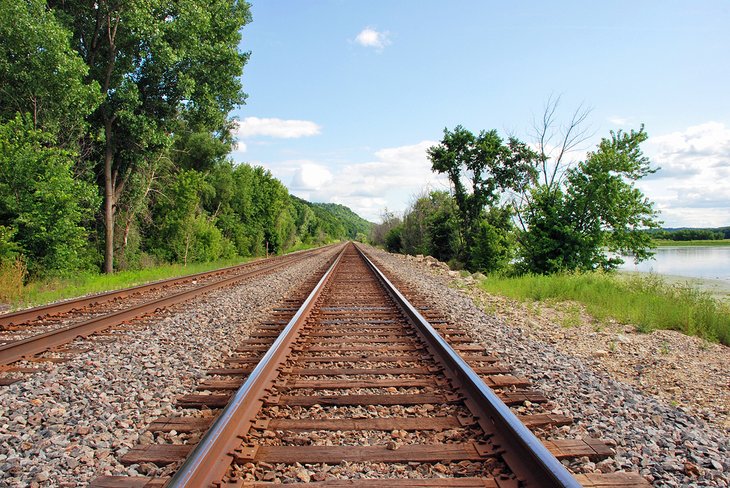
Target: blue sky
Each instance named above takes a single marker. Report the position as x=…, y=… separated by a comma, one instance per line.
x=345, y=96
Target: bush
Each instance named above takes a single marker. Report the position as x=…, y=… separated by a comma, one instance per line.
x=42, y=203
x=393, y=239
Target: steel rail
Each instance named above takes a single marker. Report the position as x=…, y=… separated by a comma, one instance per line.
x=34, y=313
x=211, y=458
x=15, y=351
x=525, y=455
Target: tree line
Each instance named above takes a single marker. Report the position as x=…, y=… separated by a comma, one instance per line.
x=115, y=132
x=692, y=234
x=521, y=208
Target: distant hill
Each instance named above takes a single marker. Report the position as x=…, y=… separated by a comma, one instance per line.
x=335, y=219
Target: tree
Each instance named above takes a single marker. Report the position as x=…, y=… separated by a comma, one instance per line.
x=491, y=168
x=43, y=207
x=598, y=211
x=184, y=232
x=414, y=235
x=378, y=233
x=430, y=227
x=164, y=69
x=393, y=239
x=442, y=227
x=41, y=76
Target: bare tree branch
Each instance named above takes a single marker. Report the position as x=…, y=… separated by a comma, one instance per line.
x=555, y=143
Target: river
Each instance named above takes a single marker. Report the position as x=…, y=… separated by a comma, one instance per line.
x=703, y=267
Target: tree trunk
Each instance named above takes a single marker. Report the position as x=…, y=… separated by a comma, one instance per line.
x=130, y=217
x=108, y=201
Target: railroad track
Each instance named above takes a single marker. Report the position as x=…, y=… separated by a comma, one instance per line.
x=349, y=385
x=28, y=333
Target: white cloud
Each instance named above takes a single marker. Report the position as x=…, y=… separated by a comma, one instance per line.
x=279, y=128
x=691, y=188
x=240, y=146
x=617, y=120
x=390, y=179
x=311, y=177
x=369, y=37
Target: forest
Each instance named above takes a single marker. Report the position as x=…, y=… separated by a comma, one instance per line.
x=115, y=136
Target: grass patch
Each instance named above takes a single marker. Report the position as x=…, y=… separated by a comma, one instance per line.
x=54, y=289
x=647, y=302
x=668, y=243
x=12, y=276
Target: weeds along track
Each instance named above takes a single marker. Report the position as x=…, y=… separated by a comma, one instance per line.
x=27, y=333
x=348, y=384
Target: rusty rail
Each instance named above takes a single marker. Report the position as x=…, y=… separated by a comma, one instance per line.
x=210, y=459
x=528, y=458
x=24, y=348
x=34, y=313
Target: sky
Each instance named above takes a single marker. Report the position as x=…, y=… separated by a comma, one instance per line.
x=345, y=96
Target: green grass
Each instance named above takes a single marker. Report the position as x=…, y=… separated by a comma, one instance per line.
x=54, y=289
x=666, y=243
x=647, y=302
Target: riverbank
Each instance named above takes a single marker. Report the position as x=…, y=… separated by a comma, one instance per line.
x=683, y=371
x=719, y=289
x=668, y=243
x=645, y=300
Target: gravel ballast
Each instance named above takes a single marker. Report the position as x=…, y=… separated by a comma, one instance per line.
x=665, y=443
x=65, y=426
x=71, y=423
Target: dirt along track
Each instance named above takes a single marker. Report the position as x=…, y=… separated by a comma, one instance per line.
x=355, y=388
x=27, y=333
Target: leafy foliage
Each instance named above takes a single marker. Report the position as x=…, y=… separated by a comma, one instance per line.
x=41, y=76
x=573, y=218
x=43, y=208
x=491, y=168
x=353, y=224
x=429, y=226
x=128, y=104
x=599, y=209
x=379, y=232
x=691, y=234
x=168, y=74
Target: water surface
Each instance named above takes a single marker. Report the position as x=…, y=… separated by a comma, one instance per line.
x=710, y=262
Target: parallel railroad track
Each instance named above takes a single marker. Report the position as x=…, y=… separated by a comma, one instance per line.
x=352, y=386
x=30, y=332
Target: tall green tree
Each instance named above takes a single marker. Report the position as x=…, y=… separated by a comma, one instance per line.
x=597, y=209
x=164, y=68
x=490, y=168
